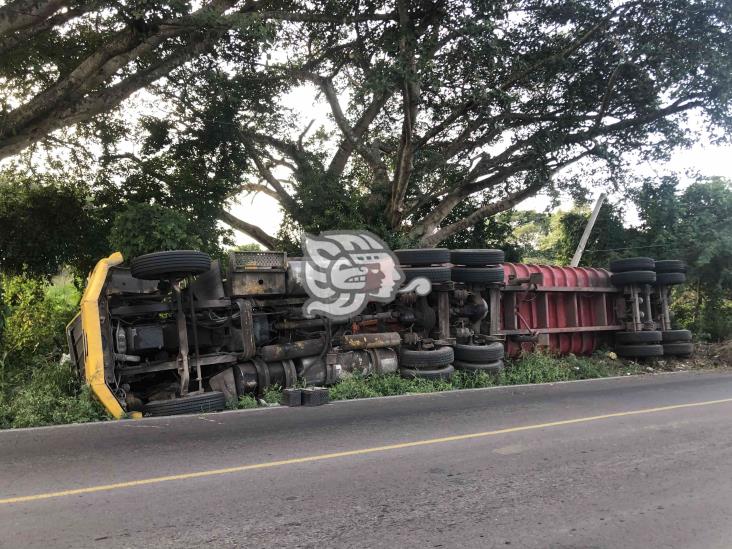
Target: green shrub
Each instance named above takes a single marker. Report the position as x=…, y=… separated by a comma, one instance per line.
x=35, y=320
x=247, y=401
x=53, y=394
x=272, y=395
x=145, y=228
x=36, y=387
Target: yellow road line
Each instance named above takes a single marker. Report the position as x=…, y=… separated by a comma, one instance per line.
x=347, y=453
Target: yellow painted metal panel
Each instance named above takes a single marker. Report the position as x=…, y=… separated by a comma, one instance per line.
x=92, y=328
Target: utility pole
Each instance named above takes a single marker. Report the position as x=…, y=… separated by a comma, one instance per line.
x=588, y=229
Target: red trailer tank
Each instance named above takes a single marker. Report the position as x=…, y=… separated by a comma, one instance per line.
x=562, y=309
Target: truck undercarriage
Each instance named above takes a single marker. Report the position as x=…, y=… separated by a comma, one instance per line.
x=176, y=332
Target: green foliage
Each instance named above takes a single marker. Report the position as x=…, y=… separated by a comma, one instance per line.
x=527, y=88
x=36, y=386
x=35, y=320
x=247, y=401
x=540, y=367
x=46, y=223
x=357, y=386
x=529, y=368
x=272, y=395
x=4, y=309
x=566, y=229
x=495, y=232
x=472, y=380
x=249, y=247
x=52, y=394
x=692, y=225
x=544, y=368
x=145, y=228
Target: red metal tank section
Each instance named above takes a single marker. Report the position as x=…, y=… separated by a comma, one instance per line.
x=562, y=309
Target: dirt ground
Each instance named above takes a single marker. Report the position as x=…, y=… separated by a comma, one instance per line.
x=707, y=356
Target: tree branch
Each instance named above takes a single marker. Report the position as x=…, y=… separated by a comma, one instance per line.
x=574, y=46
x=437, y=129
x=97, y=103
x=368, y=154
x=410, y=98
x=432, y=220
x=255, y=232
x=282, y=195
x=13, y=40
x=58, y=105
x=325, y=18
x=22, y=14
x=437, y=236
x=481, y=213
x=259, y=188
x=345, y=149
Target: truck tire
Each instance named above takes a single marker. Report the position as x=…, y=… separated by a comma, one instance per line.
x=444, y=373
x=637, y=337
x=633, y=277
x=213, y=401
x=495, y=367
x=669, y=279
x=632, y=264
x=477, y=258
x=433, y=274
x=171, y=264
x=479, y=353
x=674, y=336
x=639, y=351
x=681, y=348
x=478, y=275
x=670, y=266
x=419, y=257
x=412, y=358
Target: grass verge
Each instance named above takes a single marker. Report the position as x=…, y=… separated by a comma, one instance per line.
x=52, y=394
x=529, y=368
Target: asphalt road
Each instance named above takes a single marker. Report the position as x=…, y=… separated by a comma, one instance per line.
x=515, y=466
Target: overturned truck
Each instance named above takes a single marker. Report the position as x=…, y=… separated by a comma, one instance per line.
x=175, y=332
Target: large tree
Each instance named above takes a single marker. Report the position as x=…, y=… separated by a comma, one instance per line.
x=452, y=111
x=63, y=62
x=444, y=112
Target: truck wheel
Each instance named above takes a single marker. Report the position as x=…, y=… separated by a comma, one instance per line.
x=444, y=373
x=441, y=356
x=673, y=336
x=639, y=351
x=171, y=264
x=670, y=266
x=682, y=348
x=433, y=274
x=213, y=401
x=479, y=353
x=495, y=367
x=423, y=256
x=669, y=279
x=633, y=277
x=637, y=337
x=632, y=264
x=477, y=258
x=478, y=275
